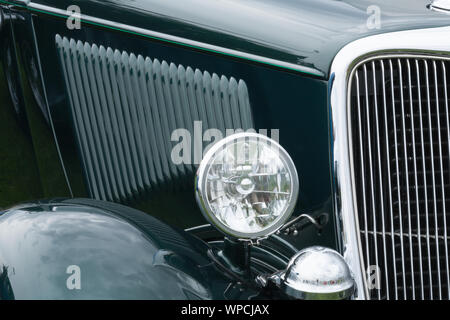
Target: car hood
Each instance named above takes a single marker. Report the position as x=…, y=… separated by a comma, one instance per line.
x=308, y=33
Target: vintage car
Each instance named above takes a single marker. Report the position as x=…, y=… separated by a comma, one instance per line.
x=224, y=149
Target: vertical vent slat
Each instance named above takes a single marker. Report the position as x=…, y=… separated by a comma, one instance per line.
x=400, y=128
x=93, y=121
x=244, y=106
x=65, y=56
x=208, y=99
x=84, y=120
x=125, y=109
x=180, y=116
x=98, y=55
x=170, y=111
x=118, y=125
x=127, y=128
x=188, y=108
x=117, y=131
x=141, y=89
x=146, y=132
x=105, y=153
x=158, y=122
x=137, y=117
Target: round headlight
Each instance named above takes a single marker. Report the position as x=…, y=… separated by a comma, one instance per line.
x=247, y=186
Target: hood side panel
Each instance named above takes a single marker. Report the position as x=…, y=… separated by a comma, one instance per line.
x=308, y=33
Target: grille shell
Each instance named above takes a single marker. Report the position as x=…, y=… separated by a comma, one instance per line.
x=402, y=207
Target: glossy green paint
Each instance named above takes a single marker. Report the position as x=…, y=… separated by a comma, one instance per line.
x=25, y=174
x=273, y=94
x=19, y=181
x=88, y=249
x=306, y=33
x=117, y=252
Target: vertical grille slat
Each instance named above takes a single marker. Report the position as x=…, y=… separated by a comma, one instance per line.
x=433, y=177
x=416, y=179
x=364, y=205
x=380, y=177
x=441, y=167
x=125, y=108
x=444, y=81
x=406, y=168
x=398, y=179
x=424, y=177
x=371, y=168
x=400, y=128
x=388, y=166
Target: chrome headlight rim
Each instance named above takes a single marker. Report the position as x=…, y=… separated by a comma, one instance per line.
x=207, y=211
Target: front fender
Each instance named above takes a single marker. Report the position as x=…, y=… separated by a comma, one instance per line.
x=88, y=249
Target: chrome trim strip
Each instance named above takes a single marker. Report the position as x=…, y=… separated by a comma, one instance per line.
x=176, y=40
x=432, y=41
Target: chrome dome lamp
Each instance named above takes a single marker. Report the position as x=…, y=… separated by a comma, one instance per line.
x=314, y=273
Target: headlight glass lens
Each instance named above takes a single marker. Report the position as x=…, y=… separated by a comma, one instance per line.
x=248, y=185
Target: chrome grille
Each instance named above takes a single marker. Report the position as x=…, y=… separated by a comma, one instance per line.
x=400, y=132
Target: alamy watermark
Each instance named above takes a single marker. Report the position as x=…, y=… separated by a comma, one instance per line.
x=190, y=146
x=373, y=277
x=73, y=282
x=374, y=20
x=74, y=17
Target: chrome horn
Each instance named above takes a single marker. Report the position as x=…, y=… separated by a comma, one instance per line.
x=315, y=273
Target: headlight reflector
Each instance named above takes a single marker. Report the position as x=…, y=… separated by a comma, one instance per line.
x=247, y=185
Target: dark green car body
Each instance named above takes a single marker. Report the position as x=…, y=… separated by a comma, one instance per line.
x=281, y=50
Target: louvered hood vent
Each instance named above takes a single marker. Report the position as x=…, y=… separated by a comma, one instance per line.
x=125, y=107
